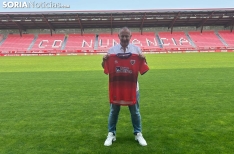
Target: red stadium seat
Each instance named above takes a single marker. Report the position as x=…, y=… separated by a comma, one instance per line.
x=146, y=41
x=106, y=41
x=79, y=43
x=174, y=41
x=228, y=37
x=14, y=42
x=206, y=40
x=47, y=42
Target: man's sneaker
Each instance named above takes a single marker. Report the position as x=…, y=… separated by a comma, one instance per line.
x=140, y=139
x=111, y=137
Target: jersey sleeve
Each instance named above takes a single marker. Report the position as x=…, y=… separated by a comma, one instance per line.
x=143, y=67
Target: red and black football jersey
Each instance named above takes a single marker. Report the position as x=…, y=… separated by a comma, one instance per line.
x=123, y=69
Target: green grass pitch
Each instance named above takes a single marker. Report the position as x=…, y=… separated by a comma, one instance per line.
x=59, y=105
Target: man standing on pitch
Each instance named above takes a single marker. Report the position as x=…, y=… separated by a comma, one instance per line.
x=122, y=48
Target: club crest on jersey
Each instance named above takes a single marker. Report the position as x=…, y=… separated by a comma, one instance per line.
x=132, y=62
x=119, y=69
x=116, y=61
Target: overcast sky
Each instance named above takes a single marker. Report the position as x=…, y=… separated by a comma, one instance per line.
x=40, y=5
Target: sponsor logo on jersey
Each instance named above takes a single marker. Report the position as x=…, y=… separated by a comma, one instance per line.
x=120, y=69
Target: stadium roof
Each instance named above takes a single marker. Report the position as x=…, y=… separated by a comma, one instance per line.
x=117, y=18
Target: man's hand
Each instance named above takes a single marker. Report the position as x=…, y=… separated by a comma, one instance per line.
x=142, y=56
x=105, y=57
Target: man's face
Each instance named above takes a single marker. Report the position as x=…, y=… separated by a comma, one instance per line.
x=124, y=37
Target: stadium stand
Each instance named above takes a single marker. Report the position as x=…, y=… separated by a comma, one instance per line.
x=228, y=37
x=46, y=42
x=175, y=41
x=16, y=43
x=78, y=43
x=170, y=31
x=105, y=41
x=1, y=37
x=206, y=40
x=146, y=41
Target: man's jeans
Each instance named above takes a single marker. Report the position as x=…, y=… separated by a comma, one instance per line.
x=135, y=116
